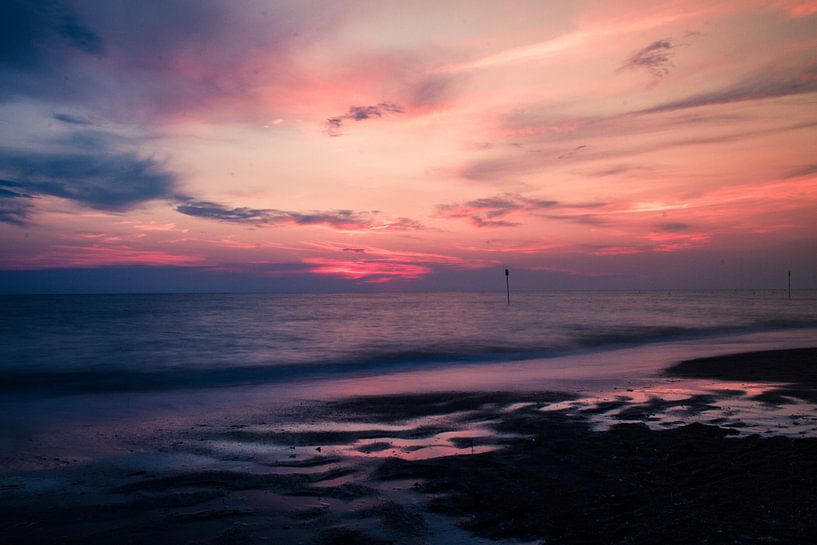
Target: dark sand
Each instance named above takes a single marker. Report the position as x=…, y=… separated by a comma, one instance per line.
x=797, y=368
x=448, y=468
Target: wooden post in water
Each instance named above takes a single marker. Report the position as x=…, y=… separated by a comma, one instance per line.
x=789, y=284
x=508, y=285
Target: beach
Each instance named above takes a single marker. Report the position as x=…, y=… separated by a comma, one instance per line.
x=690, y=439
x=452, y=467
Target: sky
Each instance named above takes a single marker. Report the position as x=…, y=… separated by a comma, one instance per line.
x=259, y=145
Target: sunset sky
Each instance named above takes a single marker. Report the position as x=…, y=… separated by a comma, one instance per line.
x=329, y=146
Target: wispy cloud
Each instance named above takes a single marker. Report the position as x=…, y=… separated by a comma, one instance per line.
x=335, y=125
x=98, y=255
x=763, y=85
x=673, y=241
x=343, y=220
x=572, y=153
x=807, y=170
x=71, y=119
x=672, y=227
x=518, y=247
x=536, y=52
x=544, y=149
x=15, y=208
x=493, y=211
x=655, y=58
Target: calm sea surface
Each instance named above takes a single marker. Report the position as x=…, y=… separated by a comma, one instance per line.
x=110, y=343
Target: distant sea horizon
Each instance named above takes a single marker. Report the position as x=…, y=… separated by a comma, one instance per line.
x=406, y=291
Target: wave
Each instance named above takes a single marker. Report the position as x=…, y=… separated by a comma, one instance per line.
x=368, y=361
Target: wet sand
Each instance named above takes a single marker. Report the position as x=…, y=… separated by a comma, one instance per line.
x=462, y=467
x=795, y=368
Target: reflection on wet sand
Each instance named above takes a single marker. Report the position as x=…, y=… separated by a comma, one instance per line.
x=730, y=459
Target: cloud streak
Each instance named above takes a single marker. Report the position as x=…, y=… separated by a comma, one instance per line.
x=656, y=59
x=801, y=172
x=342, y=220
x=15, y=208
x=494, y=211
x=335, y=125
x=71, y=119
x=764, y=85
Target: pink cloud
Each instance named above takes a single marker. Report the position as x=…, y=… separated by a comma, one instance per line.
x=616, y=250
x=797, y=8
x=67, y=256
x=674, y=242
x=513, y=247
x=370, y=271
x=571, y=272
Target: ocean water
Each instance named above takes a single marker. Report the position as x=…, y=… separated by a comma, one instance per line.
x=107, y=377
x=81, y=344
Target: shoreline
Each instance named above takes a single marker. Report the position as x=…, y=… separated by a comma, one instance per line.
x=668, y=465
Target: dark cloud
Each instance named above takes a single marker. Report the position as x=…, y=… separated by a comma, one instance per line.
x=13, y=193
x=14, y=206
x=656, y=58
x=672, y=227
x=121, y=59
x=79, y=36
x=336, y=219
x=31, y=32
x=355, y=250
x=614, y=170
x=581, y=219
x=341, y=219
x=14, y=212
x=761, y=86
x=359, y=113
x=90, y=140
x=482, y=222
x=495, y=169
x=100, y=177
x=38, y=40
x=401, y=224
x=71, y=120
x=570, y=154
x=334, y=125
x=211, y=210
x=803, y=171
x=491, y=211
x=431, y=91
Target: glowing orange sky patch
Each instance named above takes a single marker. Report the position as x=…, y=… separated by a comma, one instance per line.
x=368, y=271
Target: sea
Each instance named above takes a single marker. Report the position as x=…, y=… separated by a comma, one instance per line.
x=73, y=366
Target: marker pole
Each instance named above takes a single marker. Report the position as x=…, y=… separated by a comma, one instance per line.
x=508, y=285
x=789, y=284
